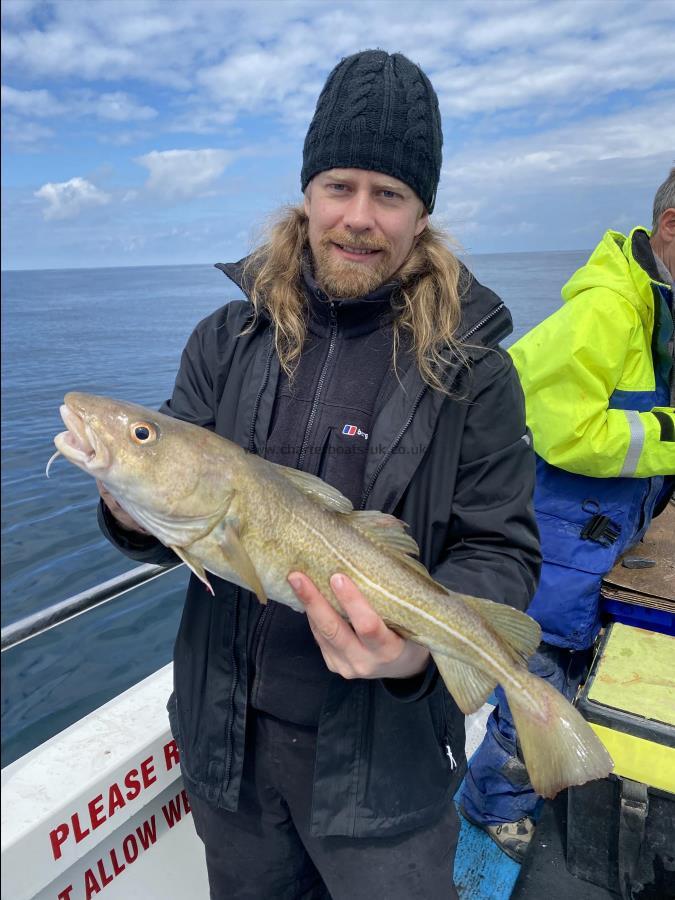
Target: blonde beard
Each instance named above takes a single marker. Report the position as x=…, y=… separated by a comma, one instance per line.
x=343, y=278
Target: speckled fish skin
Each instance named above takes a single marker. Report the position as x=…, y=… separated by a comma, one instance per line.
x=253, y=522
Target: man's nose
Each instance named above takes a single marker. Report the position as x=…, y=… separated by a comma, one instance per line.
x=359, y=212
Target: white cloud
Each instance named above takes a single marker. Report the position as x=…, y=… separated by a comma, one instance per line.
x=65, y=51
x=116, y=106
x=488, y=188
x=67, y=199
x=17, y=9
x=30, y=103
x=554, y=112
x=575, y=151
x=272, y=58
x=26, y=136
x=180, y=174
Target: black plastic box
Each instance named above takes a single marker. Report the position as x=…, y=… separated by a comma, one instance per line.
x=594, y=826
x=621, y=830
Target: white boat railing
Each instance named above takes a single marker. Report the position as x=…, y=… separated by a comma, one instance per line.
x=58, y=613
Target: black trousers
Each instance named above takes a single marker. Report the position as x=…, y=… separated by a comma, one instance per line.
x=264, y=851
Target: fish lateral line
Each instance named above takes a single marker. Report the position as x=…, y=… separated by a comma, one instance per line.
x=506, y=676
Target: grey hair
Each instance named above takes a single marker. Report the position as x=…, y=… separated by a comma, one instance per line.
x=664, y=199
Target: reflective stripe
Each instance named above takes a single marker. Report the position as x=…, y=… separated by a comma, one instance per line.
x=637, y=441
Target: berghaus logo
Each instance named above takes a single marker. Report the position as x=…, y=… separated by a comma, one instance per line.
x=354, y=431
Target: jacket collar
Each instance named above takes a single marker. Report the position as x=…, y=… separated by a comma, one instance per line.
x=238, y=274
x=485, y=320
x=643, y=254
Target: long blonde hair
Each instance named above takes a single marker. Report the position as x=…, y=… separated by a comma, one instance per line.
x=426, y=303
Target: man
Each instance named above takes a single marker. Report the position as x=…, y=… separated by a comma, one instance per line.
x=321, y=755
x=598, y=378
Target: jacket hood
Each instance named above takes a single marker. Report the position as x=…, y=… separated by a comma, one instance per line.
x=485, y=317
x=622, y=265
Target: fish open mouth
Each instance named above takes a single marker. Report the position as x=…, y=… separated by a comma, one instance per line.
x=79, y=443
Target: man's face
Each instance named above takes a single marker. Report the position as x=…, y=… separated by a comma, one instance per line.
x=362, y=226
x=666, y=236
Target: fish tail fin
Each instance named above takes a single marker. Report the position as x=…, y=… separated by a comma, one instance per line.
x=559, y=747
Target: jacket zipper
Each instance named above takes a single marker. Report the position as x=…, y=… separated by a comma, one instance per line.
x=394, y=444
x=233, y=655
x=257, y=634
x=319, y=387
x=483, y=321
x=391, y=448
x=255, y=647
x=256, y=405
x=448, y=752
x=233, y=688
x=447, y=747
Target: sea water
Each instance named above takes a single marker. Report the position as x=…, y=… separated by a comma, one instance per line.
x=118, y=332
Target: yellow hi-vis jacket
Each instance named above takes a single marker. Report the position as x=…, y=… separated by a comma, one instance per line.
x=596, y=376
x=594, y=372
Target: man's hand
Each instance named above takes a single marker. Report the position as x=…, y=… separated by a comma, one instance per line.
x=119, y=514
x=364, y=647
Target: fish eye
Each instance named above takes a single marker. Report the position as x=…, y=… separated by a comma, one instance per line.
x=143, y=433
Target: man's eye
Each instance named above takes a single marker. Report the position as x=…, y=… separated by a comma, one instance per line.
x=338, y=188
x=390, y=195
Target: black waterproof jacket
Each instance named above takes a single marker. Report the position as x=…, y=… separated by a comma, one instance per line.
x=458, y=469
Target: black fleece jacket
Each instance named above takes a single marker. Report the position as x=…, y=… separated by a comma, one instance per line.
x=321, y=422
x=458, y=468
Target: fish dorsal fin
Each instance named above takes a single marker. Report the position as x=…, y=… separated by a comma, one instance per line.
x=517, y=629
x=389, y=532
x=385, y=529
x=468, y=685
x=316, y=489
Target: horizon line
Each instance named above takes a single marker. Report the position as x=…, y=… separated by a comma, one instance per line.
x=210, y=264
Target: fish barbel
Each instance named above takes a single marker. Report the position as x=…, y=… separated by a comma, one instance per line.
x=252, y=522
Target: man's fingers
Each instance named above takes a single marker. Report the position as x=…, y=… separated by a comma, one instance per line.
x=369, y=627
x=364, y=647
x=118, y=512
x=108, y=498
x=326, y=624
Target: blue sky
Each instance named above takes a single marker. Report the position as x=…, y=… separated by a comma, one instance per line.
x=139, y=132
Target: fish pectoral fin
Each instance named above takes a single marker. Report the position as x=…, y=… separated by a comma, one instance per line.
x=468, y=685
x=239, y=561
x=516, y=628
x=195, y=566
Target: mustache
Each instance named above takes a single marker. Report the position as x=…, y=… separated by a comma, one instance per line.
x=345, y=239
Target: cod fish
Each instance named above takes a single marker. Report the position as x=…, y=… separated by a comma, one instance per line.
x=225, y=511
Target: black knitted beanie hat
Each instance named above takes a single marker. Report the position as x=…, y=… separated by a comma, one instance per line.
x=379, y=112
